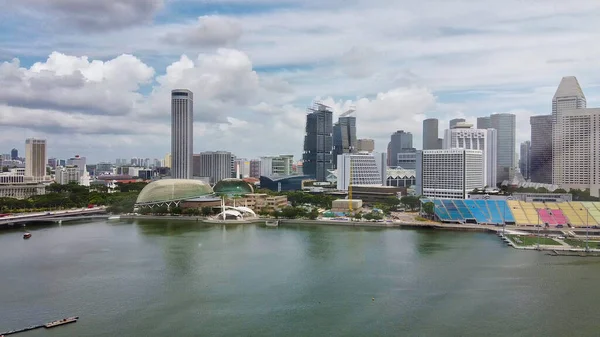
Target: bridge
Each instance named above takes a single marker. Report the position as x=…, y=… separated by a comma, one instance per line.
x=54, y=216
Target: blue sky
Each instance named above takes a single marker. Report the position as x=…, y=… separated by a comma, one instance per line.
x=93, y=78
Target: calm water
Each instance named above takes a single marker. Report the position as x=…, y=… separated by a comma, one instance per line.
x=181, y=279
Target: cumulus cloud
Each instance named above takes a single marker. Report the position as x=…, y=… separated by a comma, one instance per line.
x=73, y=83
x=209, y=31
x=92, y=15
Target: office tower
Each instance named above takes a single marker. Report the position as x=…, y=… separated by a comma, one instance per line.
x=448, y=173
x=463, y=136
x=79, y=162
x=168, y=160
x=318, y=143
x=344, y=136
x=365, y=145
x=35, y=157
x=455, y=121
x=52, y=162
x=67, y=175
x=215, y=165
x=430, y=134
x=541, y=149
x=362, y=168
x=568, y=96
x=242, y=167
x=483, y=123
x=407, y=159
x=505, y=125
x=182, y=133
x=196, y=165
x=255, y=168
x=14, y=154
x=276, y=165
x=525, y=160
x=400, y=141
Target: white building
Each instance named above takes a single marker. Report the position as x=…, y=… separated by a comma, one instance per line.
x=79, y=162
x=449, y=173
x=364, y=169
x=182, y=133
x=568, y=96
x=276, y=165
x=35, y=158
x=19, y=186
x=215, y=165
x=242, y=168
x=67, y=175
x=463, y=136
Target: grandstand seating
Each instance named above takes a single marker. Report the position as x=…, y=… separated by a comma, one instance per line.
x=561, y=219
x=583, y=213
x=570, y=213
x=518, y=213
x=530, y=212
x=594, y=209
x=546, y=217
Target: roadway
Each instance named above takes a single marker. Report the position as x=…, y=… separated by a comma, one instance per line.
x=51, y=215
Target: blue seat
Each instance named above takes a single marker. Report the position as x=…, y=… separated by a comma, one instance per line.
x=505, y=211
x=440, y=210
x=481, y=215
x=452, y=210
x=463, y=209
x=495, y=217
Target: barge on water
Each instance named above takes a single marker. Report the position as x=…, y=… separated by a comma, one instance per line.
x=61, y=322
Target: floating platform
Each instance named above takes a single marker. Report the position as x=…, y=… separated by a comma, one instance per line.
x=47, y=326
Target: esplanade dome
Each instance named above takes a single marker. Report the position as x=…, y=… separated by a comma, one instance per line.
x=168, y=190
x=233, y=186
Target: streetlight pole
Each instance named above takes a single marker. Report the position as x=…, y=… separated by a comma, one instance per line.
x=538, y=225
x=587, y=229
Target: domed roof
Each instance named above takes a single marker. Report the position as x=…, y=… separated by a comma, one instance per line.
x=173, y=189
x=233, y=186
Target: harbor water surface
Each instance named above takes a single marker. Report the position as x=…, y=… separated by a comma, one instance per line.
x=185, y=279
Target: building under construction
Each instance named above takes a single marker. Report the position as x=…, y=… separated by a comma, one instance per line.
x=318, y=144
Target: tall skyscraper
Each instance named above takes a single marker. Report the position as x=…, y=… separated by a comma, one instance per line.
x=505, y=125
x=215, y=165
x=35, y=157
x=14, y=154
x=525, y=160
x=182, y=133
x=318, y=143
x=430, y=134
x=568, y=96
x=455, y=121
x=541, y=149
x=344, y=137
x=483, y=123
x=400, y=141
x=463, y=136
x=365, y=145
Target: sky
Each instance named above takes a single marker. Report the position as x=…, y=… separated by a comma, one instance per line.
x=94, y=77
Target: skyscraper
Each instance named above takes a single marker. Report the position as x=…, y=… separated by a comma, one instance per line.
x=344, y=137
x=505, y=125
x=14, y=154
x=568, y=96
x=463, y=136
x=215, y=165
x=35, y=157
x=455, y=121
x=318, y=143
x=483, y=123
x=541, y=149
x=430, y=134
x=525, y=160
x=182, y=133
x=400, y=141
x=365, y=145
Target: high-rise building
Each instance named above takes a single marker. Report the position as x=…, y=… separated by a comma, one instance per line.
x=365, y=145
x=182, y=133
x=525, y=160
x=541, y=149
x=215, y=165
x=360, y=169
x=67, y=175
x=484, y=123
x=448, y=173
x=255, y=168
x=463, y=136
x=318, y=143
x=52, y=162
x=400, y=141
x=14, y=154
x=276, y=165
x=79, y=162
x=505, y=125
x=242, y=168
x=196, y=166
x=568, y=96
x=344, y=137
x=430, y=134
x=168, y=160
x=407, y=159
x=455, y=121
x=35, y=157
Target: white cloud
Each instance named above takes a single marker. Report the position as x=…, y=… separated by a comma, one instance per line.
x=210, y=30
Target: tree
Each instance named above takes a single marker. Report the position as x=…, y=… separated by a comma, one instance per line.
x=206, y=211
x=411, y=202
x=313, y=214
x=429, y=208
x=559, y=190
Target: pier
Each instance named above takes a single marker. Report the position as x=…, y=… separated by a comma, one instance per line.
x=39, y=326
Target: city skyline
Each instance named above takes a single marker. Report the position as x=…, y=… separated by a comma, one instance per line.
x=105, y=95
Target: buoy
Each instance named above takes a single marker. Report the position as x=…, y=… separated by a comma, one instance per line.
x=373, y=299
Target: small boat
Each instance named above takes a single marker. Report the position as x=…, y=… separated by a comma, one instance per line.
x=61, y=322
x=272, y=223
x=27, y=235
x=114, y=217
